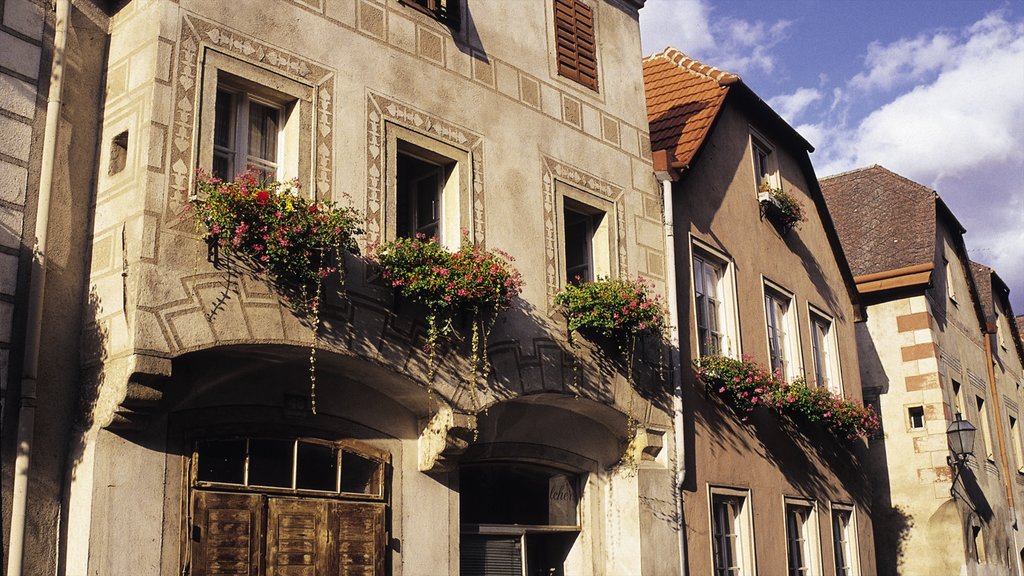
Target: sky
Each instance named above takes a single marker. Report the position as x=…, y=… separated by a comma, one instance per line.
x=930, y=89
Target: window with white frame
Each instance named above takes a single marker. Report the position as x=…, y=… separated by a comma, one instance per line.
x=731, y=534
x=766, y=171
x=587, y=233
x=986, y=430
x=802, y=545
x=824, y=353
x=950, y=286
x=844, y=541
x=253, y=118
x=1018, y=452
x=713, y=304
x=428, y=188
x=781, y=326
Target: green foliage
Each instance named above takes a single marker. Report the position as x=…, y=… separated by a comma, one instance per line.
x=276, y=231
x=790, y=210
x=612, y=307
x=745, y=386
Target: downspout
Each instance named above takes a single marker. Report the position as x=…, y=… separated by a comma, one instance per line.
x=666, y=175
x=990, y=332
x=36, y=296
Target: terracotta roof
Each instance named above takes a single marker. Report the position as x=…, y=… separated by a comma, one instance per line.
x=989, y=286
x=1020, y=324
x=983, y=283
x=683, y=99
x=885, y=221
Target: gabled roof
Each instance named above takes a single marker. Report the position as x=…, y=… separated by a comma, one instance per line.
x=684, y=98
x=885, y=221
x=990, y=288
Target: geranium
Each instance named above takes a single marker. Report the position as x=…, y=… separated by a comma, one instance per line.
x=744, y=386
x=295, y=241
x=471, y=279
x=612, y=307
x=778, y=204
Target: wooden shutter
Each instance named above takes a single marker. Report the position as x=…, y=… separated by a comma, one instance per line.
x=358, y=538
x=574, y=37
x=297, y=538
x=227, y=534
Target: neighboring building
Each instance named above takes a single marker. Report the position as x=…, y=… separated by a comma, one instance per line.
x=764, y=496
x=923, y=358
x=195, y=450
x=1005, y=353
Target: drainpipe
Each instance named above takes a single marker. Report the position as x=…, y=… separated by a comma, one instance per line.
x=36, y=294
x=990, y=333
x=666, y=175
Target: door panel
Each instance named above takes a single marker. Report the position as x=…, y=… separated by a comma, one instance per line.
x=297, y=537
x=227, y=534
x=357, y=535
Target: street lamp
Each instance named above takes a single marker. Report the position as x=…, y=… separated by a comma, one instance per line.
x=960, y=434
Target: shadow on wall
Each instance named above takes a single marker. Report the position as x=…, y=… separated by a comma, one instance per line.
x=892, y=526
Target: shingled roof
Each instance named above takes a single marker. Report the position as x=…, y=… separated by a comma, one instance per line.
x=885, y=221
x=990, y=286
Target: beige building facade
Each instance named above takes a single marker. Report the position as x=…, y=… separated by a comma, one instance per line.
x=926, y=354
x=172, y=432
x=762, y=494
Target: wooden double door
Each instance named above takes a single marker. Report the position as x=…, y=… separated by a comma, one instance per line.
x=253, y=534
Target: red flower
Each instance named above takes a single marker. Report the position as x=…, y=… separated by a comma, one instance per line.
x=262, y=197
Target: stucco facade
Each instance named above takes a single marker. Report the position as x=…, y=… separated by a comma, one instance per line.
x=924, y=358
x=173, y=352
x=767, y=461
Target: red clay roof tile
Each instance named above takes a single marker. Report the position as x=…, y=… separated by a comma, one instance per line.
x=683, y=98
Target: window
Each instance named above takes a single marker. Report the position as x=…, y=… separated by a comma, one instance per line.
x=915, y=417
x=732, y=544
x=766, y=172
x=950, y=288
x=429, y=188
x=517, y=519
x=844, y=541
x=801, y=538
x=588, y=238
x=824, y=353
x=781, y=331
x=252, y=117
x=958, y=398
x=1018, y=452
x=986, y=432
x=714, y=305
x=256, y=501
x=444, y=11
x=575, y=46
x=978, y=538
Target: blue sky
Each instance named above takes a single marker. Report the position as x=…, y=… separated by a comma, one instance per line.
x=932, y=90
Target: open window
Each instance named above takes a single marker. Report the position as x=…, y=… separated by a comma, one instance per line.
x=766, y=168
x=444, y=11
x=714, y=303
x=781, y=325
x=588, y=238
x=428, y=188
x=253, y=118
x=844, y=541
x=825, y=352
x=517, y=518
x=803, y=547
x=732, y=536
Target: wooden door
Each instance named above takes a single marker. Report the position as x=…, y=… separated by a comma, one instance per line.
x=227, y=534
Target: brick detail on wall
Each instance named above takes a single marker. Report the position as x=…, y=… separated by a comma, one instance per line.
x=922, y=382
x=911, y=322
x=919, y=352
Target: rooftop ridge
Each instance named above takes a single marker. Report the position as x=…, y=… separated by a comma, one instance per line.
x=695, y=66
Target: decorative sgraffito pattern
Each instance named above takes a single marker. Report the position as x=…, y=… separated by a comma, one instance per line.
x=196, y=37
x=555, y=170
x=379, y=111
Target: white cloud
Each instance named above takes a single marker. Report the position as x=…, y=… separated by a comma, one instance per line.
x=739, y=46
x=958, y=128
x=790, y=106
